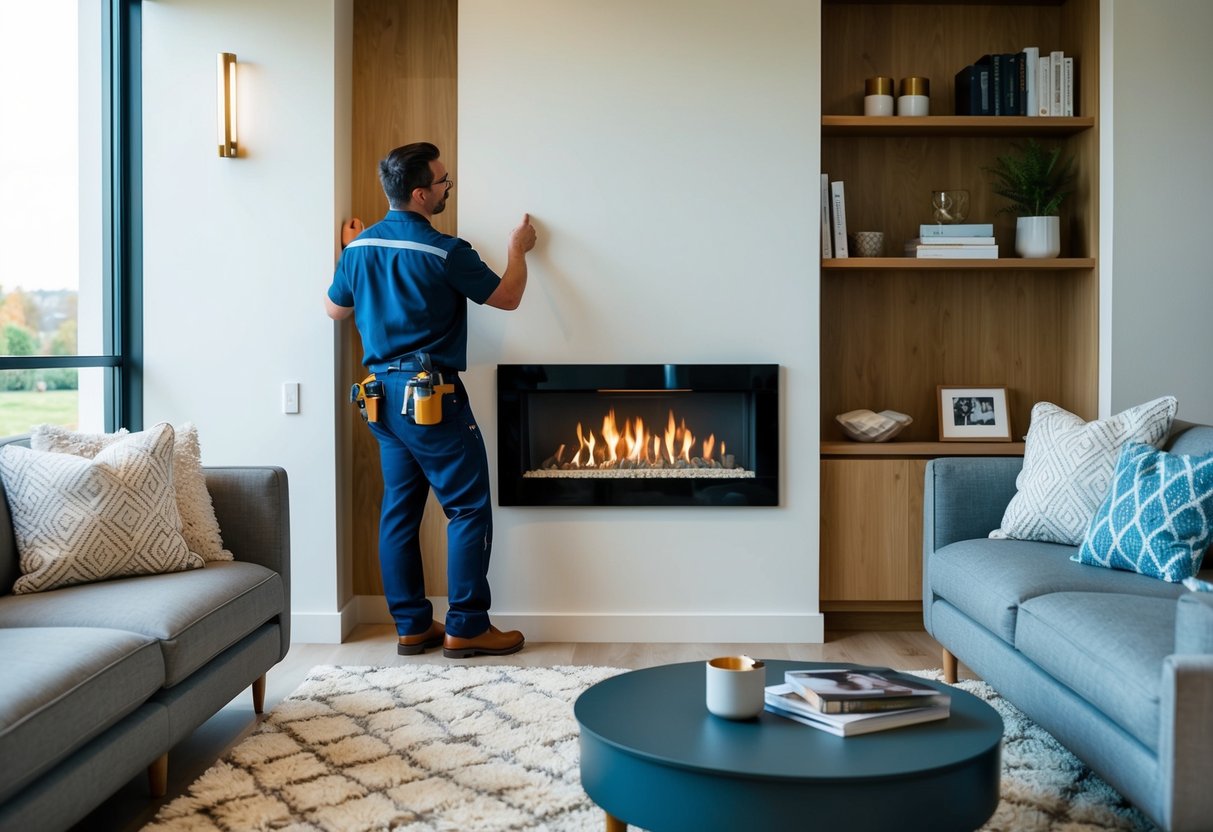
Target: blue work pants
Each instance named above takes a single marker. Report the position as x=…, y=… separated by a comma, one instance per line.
x=448, y=457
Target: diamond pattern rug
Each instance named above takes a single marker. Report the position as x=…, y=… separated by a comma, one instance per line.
x=433, y=748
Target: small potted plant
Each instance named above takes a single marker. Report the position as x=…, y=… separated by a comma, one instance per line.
x=1036, y=181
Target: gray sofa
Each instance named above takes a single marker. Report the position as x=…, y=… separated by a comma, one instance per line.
x=101, y=680
x=1117, y=666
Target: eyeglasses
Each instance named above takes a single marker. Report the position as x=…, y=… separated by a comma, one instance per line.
x=446, y=180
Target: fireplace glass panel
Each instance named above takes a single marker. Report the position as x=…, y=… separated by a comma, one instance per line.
x=626, y=435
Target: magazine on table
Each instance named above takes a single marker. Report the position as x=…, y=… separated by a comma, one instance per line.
x=783, y=700
x=842, y=690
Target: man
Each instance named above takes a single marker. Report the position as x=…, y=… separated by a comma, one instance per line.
x=407, y=286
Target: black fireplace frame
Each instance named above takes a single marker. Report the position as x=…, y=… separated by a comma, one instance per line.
x=516, y=381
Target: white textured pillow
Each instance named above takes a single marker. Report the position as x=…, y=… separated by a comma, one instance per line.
x=1068, y=466
x=80, y=520
x=198, y=524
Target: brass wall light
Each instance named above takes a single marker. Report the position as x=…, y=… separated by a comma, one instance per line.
x=226, y=102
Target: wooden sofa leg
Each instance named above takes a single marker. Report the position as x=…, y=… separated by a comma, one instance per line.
x=949, y=667
x=259, y=694
x=157, y=776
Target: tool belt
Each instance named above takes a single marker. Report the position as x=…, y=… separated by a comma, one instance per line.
x=423, y=394
x=366, y=394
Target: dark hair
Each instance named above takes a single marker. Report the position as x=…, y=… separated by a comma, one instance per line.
x=405, y=169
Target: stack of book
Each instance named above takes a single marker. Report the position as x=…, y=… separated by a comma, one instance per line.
x=973, y=240
x=851, y=701
x=1026, y=83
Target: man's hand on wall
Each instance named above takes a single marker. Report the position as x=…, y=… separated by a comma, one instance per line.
x=522, y=239
x=350, y=229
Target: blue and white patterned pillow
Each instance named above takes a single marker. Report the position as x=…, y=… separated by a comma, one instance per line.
x=1158, y=517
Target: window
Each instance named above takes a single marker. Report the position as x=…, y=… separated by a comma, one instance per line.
x=70, y=320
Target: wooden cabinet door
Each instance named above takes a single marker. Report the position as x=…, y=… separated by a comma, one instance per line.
x=871, y=529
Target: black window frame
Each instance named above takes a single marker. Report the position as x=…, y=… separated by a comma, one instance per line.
x=122, y=220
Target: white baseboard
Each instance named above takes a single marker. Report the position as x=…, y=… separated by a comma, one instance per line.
x=324, y=627
x=649, y=628
x=640, y=628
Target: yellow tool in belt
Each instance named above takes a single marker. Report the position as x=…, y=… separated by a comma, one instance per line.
x=424, y=393
x=366, y=394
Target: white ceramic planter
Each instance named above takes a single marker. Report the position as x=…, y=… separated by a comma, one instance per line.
x=1038, y=236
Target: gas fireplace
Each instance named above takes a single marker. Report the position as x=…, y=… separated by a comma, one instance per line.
x=638, y=434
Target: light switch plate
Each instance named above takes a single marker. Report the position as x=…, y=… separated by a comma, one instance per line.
x=290, y=397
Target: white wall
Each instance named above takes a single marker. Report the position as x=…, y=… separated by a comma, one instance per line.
x=1162, y=277
x=237, y=252
x=669, y=154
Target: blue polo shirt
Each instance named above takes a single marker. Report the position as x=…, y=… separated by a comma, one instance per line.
x=409, y=286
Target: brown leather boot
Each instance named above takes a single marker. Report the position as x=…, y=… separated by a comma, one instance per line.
x=412, y=645
x=491, y=642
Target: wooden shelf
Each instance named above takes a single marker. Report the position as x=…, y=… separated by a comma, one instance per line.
x=914, y=263
x=927, y=449
x=972, y=126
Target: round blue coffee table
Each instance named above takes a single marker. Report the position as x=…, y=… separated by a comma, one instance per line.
x=654, y=757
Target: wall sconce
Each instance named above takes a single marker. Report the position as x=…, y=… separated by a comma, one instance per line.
x=226, y=102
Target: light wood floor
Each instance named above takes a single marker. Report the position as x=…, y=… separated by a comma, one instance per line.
x=131, y=808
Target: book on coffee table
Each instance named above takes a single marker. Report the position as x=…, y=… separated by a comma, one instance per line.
x=842, y=690
x=782, y=700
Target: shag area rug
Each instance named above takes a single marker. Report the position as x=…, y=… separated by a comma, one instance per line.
x=432, y=748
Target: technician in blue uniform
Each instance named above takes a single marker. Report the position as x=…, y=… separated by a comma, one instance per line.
x=407, y=286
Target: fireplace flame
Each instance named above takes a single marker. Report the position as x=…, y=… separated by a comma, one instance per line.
x=633, y=444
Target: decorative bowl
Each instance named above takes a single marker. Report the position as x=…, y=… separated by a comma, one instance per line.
x=866, y=426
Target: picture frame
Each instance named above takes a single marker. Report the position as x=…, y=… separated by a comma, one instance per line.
x=973, y=414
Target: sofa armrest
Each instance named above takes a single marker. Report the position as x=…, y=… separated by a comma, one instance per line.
x=252, y=505
x=1194, y=623
x=1186, y=699
x=965, y=497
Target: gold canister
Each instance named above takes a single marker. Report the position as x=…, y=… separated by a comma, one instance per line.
x=878, y=96
x=880, y=85
x=915, y=98
x=915, y=85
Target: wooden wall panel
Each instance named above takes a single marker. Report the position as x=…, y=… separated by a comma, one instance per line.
x=404, y=91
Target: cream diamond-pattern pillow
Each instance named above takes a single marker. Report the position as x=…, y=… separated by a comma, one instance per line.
x=199, y=526
x=77, y=520
x=1068, y=465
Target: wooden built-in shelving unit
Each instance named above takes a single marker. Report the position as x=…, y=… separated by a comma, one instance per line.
x=893, y=328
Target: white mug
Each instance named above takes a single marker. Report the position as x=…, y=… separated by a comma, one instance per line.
x=735, y=686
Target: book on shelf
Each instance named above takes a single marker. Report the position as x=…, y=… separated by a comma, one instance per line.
x=1031, y=65
x=1057, y=62
x=995, y=65
x=1010, y=85
x=959, y=229
x=842, y=690
x=782, y=700
x=952, y=252
x=1044, y=86
x=973, y=91
x=838, y=201
x=950, y=241
x=1067, y=87
x=827, y=248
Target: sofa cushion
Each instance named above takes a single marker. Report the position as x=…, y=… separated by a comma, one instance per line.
x=1068, y=464
x=987, y=580
x=79, y=520
x=1106, y=647
x=198, y=524
x=1187, y=438
x=195, y=615
x=61, y=687
x=1158, y=516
